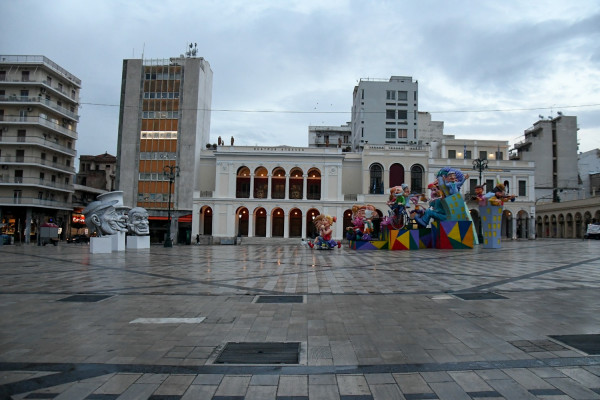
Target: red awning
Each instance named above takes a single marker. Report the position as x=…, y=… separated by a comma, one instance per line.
x=186, y=218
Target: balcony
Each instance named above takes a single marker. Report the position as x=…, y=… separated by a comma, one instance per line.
x=15, y=181
x=38, y=141
x=31, y=59
x=38, y=101
x=36, y=162
x=35, y=202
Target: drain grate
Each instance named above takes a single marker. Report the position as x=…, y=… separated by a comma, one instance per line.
x=589, y=344
x=86, y=298
x=479, y=296
x=280, y=299
x=260, y=353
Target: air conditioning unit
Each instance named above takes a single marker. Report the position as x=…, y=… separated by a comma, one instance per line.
x=29, y=109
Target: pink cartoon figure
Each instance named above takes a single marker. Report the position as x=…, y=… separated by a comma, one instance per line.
x=324, y=240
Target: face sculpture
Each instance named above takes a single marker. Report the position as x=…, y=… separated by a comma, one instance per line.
x=103, y=218
x=137, y=223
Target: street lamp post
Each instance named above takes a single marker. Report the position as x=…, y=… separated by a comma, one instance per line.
x=480, y=165
x=171, y=172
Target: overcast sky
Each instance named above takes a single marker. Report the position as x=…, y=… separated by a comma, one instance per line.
x=488, y=69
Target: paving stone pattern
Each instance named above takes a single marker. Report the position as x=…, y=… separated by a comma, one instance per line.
x=372, y=324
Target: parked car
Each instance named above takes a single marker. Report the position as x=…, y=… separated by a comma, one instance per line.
x=78, y=239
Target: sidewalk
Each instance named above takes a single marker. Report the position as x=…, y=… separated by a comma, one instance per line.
x=427, y=324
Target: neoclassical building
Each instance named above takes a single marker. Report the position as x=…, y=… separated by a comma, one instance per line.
x=253, y=191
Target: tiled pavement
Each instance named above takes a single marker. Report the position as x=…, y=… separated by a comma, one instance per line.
x=372, y=325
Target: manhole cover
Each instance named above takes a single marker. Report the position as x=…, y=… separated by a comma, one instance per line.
x=479, y=296
x=280, y=299
x=86, y=298
x=589, y=344
x=259, y=353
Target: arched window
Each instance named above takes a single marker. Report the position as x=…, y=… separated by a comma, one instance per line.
x=396, y=175
x=376, y=179
x=313, y=185
x=296, y=183
x=278, y=183
x=416, y=179
x=261, y=183
x=242, y=185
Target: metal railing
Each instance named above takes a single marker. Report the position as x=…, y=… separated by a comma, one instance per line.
x=30, y=59
x=39, y=101
x=20, y=181
x=36, y=161
x=34, y=201
x=38, y=141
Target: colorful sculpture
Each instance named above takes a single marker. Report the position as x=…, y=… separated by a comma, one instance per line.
x=324, y=240
x=362, y=221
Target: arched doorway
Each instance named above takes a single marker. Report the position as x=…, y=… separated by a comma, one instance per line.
x=578, y=226
x=347, y=221
x=553, y=227
x=561, y=226
x=207, y=217
x=396, y=175
x=522, y=225
x=295, y=223
x=311, y=231
x=261, y=183
x=569, y=233
x=242, y=217
x=540, y=228
x=260, y=226
x=277, y=223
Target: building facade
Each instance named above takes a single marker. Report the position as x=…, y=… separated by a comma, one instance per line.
x=385, y=112
x=164, y=122
x=98, y=172
x=39, y=103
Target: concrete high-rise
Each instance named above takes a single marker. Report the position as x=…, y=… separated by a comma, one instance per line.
x=385, y=112
x=39, y=102
x=164, y=122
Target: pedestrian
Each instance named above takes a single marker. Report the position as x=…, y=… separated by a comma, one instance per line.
x=197, y=238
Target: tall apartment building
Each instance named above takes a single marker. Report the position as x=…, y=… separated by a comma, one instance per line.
x=552, y=145
x=385, y=112
x=38, y=129
x=164, y=122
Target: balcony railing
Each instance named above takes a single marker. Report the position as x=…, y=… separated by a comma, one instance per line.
x=35, y=140
x=9, y=59
x=54, y=125
x=39, y=101
x=33, y=201
x=46, y=183
x=36, y=161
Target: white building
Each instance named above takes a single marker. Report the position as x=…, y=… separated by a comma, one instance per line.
x=385, y=112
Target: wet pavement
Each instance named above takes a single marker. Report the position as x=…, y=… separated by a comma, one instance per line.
x=282, y=321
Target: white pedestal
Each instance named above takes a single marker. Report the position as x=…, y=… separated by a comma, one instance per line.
x=101, y=244
x=138, y=242
x=118, y=241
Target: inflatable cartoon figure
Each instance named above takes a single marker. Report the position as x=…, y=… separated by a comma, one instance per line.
x=323, y=224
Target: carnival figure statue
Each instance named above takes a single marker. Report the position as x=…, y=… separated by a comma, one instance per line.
x=137, y=222
x=323, y=224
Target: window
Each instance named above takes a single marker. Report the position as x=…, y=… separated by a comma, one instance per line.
x=390, y=114
x=20, y=155
x=21, y=134
x=43, y=156
x=452, y=154
x=467, y=154
x=18, y=176
x=489, y=185
x=402, y=133
x=25, y=76
x=402, y=95
x=416, y=179
x=376, y=181
x=53, y=179
x=390, y=95
x=522, y=188
x=499, y=155
x=1, y=115
x=17, y=196
x=24, y=93
x=483, y=155
x=2, y=75
x=362, y=94
x=472, y=183
x=402, y=114
x=390, y=133
x=60, y=86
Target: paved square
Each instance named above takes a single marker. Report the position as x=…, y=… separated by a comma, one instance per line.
x=372, y=324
